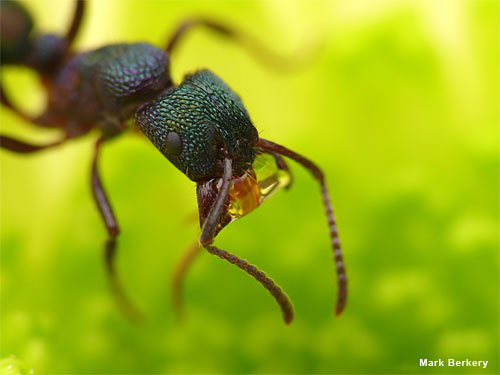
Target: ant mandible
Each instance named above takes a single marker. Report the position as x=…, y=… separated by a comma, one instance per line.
x=200, y=126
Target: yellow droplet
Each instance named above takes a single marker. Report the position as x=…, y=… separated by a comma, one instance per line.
x=256, y=185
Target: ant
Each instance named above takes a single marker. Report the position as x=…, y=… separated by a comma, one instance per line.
x=201, y=126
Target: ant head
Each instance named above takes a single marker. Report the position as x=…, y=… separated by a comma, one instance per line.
x=199, y=123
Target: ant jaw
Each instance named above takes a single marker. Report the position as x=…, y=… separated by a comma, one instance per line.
x=247, y=191
x=207, y=192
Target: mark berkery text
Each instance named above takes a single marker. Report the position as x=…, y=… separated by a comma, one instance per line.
x=452, y=363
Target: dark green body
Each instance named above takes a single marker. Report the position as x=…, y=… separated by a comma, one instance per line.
x=195, y=125
x=210, y=120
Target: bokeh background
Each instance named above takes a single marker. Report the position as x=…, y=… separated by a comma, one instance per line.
x=399, y=105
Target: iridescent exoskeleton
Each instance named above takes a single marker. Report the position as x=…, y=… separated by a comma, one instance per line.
x=201, y=126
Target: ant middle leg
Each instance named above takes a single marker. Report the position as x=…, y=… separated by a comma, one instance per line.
x=110, y=246
x=259, y=50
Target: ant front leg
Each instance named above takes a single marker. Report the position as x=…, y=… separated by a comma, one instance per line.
x=110, y=247
x=180, y=271
x=209, y=230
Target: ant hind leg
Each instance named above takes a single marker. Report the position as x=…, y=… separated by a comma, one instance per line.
x=259, y=50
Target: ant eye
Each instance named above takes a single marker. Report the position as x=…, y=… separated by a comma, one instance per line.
x=174, y=143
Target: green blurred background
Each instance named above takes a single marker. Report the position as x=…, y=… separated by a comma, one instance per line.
x=400, y=107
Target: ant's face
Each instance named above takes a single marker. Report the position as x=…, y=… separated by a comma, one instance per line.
x=197, y=124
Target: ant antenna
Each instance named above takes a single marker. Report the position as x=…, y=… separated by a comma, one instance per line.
x=271, y=147
x=207, y=237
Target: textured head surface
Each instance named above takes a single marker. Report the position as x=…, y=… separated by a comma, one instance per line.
x=195, y=123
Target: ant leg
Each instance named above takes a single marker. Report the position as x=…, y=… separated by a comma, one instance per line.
x=21, y=147
x=75, y=23
x=208, y=232
x=265, y=55
x=110, y=247
x=4, y=99
x=179, y=273
x=268, y=146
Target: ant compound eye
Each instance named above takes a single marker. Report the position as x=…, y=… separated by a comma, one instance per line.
x=174, y=143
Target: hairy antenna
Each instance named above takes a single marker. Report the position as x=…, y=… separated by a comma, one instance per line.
x=268, y=146
x=268, y=283
x=207, y=238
